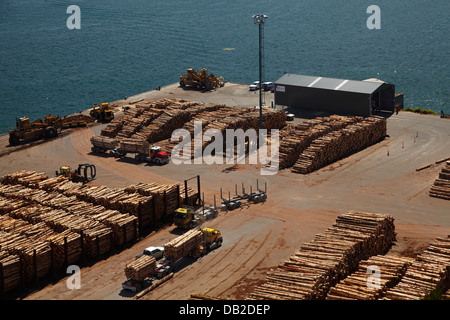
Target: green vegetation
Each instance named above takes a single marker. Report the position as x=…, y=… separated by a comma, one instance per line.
x=418, y=110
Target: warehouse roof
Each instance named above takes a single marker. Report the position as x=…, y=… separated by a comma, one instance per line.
x=367, y=86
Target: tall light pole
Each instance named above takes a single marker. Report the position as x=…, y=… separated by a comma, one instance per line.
x=259, y=20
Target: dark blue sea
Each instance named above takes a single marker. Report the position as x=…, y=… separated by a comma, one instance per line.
x=127, y=47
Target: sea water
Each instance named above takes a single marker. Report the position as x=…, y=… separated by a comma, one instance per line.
x=124, y=48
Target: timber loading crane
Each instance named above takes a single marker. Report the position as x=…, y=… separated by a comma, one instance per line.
x=201, y=80
x=102, y=112
x=85, y=173
x=25, y=130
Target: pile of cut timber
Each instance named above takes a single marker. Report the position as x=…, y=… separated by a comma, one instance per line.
x=184, y=244
x=10, y=271
x=364, y=284
x=329, y=258
x=36, y=255
x=296, y=138
x=134, y=145
x=430, y=271
x=340, y=143
x=441, y=186
x=104, y=142
x=140, y=268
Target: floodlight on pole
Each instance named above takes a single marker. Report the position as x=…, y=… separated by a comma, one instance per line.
x=260, y=19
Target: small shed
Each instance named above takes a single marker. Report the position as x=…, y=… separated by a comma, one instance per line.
x=336, y=96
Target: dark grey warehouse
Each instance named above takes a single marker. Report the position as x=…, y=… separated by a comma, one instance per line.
x=336, y=96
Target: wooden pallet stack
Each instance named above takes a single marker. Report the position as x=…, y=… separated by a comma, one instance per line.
x=329, y=258
x=340, y=143
x=140, y=268
x=430, y=271
x=441, y=186
x=360, y=286
x=184, y=244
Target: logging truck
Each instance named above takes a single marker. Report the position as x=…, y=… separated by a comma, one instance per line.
x=142, y=150
x=194, y=243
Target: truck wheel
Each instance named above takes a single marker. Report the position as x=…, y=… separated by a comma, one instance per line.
x=50, y=132
x=14, y=140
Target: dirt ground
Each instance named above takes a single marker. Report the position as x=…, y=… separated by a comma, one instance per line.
x=381, y=178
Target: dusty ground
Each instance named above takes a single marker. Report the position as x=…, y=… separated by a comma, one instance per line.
x=260, y=237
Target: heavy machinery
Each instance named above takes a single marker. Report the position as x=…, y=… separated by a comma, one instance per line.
x=187, y=217
x=201, y=80
x=210, y=240
x=102, y=112
x=25, y=130
x=85, y=173
x=142, y=150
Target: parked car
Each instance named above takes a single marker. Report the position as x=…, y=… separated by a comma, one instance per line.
x=254, y=86
x=268, y=85
x=156, y=252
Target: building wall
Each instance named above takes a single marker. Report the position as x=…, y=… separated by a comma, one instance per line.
x=332, y=101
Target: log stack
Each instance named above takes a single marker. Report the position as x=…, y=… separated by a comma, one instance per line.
x=10, y=271
x=104, y=142
x=441, y=186
x=162, y=127
x=340, y=143
x=430, y=271
x=360, y=286
x=35, y=255
x=140, y=268
x=329, y=258
x=184, y=244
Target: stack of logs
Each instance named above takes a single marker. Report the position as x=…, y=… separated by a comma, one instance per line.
x=10, y=271
x=296, y=138
x=329, y=258
x=62, y=221
x=140, y=268
x=184, y=244
x=156, y=121
x=430, y=271
x=441, y=186
x=372, y=279
x=340, y=143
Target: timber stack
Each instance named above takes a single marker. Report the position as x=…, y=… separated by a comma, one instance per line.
x=184, y=244
x=430, y=271
x=441, y=186
x=140, y=268
x=10, y=271
x=296, y=138
x=329, y=258
x=340, y=143
x=364, y=284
